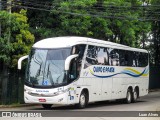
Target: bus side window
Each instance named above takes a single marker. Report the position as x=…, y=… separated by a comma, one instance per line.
x=134, y=59
x=143, y=59
x=114, y=57
x=79, y=49
x=73, y=72
x=131, y=61
x=102, y=56
x=137, y=59
x=126, y=58
x=91, y=58
x=121, y=58
x=106, y=56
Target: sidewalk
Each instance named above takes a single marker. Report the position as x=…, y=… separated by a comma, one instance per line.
x=158, y=109
x=17, y=105
x=154, y=90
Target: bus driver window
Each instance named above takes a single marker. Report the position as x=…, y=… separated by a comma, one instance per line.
x=76, y=63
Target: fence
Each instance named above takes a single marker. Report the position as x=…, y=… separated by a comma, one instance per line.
x=11, y=85
x=154, y=78
x=11, y=88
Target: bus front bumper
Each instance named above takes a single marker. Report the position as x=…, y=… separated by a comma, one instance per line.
x=59, y=99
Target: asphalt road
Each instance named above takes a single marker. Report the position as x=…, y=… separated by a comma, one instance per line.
x=145, y=105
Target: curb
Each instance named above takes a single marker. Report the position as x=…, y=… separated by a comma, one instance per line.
x=18, y=105
x=154, y=90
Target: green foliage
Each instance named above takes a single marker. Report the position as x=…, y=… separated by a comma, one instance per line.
x=154, y=47
x=16, y=39
x=112, y=20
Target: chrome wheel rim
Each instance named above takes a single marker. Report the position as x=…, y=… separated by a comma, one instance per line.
x=82, y=100
x=129, y=96
x=135, y=95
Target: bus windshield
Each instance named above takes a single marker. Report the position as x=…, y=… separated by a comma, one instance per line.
x=46, y=67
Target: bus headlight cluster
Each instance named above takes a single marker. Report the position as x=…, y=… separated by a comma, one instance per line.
x=61, y=92
x=27, y=90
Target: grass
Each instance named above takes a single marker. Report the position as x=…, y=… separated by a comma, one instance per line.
x=16, y=105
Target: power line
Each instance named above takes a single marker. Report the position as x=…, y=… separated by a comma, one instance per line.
x=35, y=4
x=32, y=2
x=96, y=3
x=96, y=14
x=92, y=15
x=46, y=4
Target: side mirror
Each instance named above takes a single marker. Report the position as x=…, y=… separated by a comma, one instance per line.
x=68, y=61
x=20, y=61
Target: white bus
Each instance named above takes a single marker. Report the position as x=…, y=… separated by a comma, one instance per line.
x=80, y=70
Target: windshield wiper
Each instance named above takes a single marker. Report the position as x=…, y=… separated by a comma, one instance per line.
x=48, y=70
x=50, y=76
x=38, y=71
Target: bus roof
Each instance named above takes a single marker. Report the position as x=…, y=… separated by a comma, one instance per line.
x=62, y=42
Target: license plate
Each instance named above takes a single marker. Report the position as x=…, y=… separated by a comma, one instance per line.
x=42, y=100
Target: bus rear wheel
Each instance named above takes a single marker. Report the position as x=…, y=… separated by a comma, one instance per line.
x=134, y=96
x=47, y=106
x=128, y=96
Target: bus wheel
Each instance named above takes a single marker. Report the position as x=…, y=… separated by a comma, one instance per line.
x=134, y=96
x=82, y=100
x=128, y=97
x=47, y=106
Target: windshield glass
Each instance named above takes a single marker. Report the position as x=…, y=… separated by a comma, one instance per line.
x=46, y=67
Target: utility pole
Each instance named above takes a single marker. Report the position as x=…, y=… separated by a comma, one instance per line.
x=9, y=6
x=0, y=10
x=143, y=12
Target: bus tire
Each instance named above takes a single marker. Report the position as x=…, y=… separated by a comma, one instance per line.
x=83, y=102
x=47, y=106
x=134, y=96
x=128, y=98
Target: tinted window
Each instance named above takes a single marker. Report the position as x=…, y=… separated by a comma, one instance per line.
x=115, y=57
x=133, y=59
x=97, y=55
x=122, y=58
x=130, y=59
x=78, y=49
x=91, y=55
x=102, y=56
x=143, y=59
x=58, y=54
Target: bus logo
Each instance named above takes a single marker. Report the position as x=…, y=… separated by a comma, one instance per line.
x=45, y=82
x=127, y=71
x=103, y=69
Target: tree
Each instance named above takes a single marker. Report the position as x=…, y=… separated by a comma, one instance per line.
x=154, y=47
x=112, y=20
x=43, y=23
x=15, y=41
x=20, y=41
